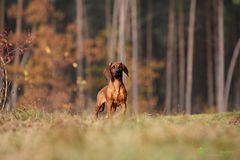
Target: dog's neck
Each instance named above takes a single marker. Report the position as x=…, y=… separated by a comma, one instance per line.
x=117, y=80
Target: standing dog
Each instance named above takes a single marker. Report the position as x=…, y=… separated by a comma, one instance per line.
x=115, y=93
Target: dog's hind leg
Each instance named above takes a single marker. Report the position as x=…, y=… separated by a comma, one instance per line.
x=99, y=108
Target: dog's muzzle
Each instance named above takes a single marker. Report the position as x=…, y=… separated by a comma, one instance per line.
x=118, y=72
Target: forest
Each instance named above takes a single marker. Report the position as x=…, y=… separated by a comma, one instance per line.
x=182, y=55
x=182, y=65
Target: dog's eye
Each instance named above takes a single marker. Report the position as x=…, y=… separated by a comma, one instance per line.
x=113, y=67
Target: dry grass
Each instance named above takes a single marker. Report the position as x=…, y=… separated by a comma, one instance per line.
x=33, y=134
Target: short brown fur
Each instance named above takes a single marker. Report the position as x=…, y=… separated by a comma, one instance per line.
x=114, y=94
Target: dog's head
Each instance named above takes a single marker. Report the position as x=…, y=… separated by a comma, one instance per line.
x=115, y=69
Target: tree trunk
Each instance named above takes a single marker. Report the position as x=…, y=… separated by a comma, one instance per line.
x=86, y=28
x=237, y=93
x=128, y=35
x=181, y=45
x=1, y=15
x=108, y=14
x=175, y=75
x=191, y=28
x=79, y=54
x=122, y=22
x=215, y=57
x=237, y=88
x=114, y=28
x=170, y=44
x=108, y=23
x=149, y=48
x=220, y=59
x=1, y=23
x=16, y=58
x=230, y=72
x=134, y=55
x=209, y=54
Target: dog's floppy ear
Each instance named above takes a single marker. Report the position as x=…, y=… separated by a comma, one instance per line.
x=125, y=70
x=107, y=71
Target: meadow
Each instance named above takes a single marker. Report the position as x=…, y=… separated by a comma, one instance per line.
x=34, y=134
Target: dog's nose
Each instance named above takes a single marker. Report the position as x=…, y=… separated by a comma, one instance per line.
x=118, y=71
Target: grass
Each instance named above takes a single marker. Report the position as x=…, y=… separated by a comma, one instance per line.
x=33, y=134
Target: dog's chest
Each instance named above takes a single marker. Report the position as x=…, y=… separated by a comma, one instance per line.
x=118, y=93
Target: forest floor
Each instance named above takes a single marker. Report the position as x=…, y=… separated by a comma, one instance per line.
x=32, y=134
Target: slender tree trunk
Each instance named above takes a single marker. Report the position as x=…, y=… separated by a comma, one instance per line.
x=209, y=54
x=108, y=13
x=86, y=28
x=230, y=72
x=215, y=32
x=79, y=54
x=128, y=35
x=220, y=59
x=113, y=40
x=181, y=45
x=175, y=74
x=86, y=32
x=140, y=44
x=17, y=59
x=149, y=47
x=1, y=15
x=122, y=24
x=134, y=55
x=190, y=51
x=170, y=44
x=237, y=93
x=108, y=24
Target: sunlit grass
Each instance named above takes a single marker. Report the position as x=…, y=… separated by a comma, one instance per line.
x=33, y=134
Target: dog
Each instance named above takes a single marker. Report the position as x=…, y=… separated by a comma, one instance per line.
x=114, y=94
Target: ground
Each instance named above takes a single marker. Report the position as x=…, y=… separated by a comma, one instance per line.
x=33, y=134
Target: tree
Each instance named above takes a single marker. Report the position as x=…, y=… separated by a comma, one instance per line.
x=175, y=75
x=230, y=72
x=1, y=29
x=209, y=53
x=79, y=50
x=1, y=14
x=122, y=24
x=112, y=41
x=17, y=59
x=190, y=51
x=237, y=93
x=108, y=24
x=170, y=50
x=220, y=58
x=181, y=49
x=134, y=15
x=149, y=46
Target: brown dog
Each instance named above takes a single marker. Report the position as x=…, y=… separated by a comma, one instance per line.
x=115, y=93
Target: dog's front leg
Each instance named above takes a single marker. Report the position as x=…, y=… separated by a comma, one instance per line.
x=114, y=108
x=109, y=109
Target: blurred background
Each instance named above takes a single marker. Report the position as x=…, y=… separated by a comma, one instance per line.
x=182, y=55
